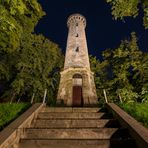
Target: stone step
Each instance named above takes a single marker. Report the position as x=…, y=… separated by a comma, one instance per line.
x=98, y=133
x=64, y=144
x=70, y=109
x=69, y=115
x=39, y=123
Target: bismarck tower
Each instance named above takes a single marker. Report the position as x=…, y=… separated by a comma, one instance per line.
x=77, y=87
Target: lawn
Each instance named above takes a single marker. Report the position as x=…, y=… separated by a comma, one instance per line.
x=9, y=112
x=137, y=110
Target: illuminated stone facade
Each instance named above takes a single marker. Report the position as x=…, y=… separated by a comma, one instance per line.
x=77, y=67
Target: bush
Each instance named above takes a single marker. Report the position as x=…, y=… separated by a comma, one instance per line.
x=137, y=110
x=9, y=112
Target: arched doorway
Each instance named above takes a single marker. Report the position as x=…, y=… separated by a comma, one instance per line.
x=77, y=98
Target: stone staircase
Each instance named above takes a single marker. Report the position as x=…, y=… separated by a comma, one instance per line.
x=73, y=128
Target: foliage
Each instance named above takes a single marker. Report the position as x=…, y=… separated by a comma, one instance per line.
x=138, y=110
x=9, y=112
x=127, y=64
x=101, y=74
x=35, y=66
x=127, y=94
x=123, y=73
x=126, y=8
x=17, y=17
x=29, y=63
x=144, y=95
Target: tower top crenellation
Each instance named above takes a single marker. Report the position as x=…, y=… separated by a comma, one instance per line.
x=76, y=18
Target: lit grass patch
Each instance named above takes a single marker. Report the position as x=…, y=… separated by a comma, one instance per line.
x=137, y=110
x=9, y=112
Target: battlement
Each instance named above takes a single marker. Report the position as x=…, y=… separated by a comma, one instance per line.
x=76, y=18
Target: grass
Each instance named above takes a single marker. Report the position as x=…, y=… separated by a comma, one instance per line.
x=137, y=110
x=9, y=112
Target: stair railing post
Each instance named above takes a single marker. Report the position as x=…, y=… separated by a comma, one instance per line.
x=44, y=98
x=32, y=99
x=120, y=98
x=105, y=96
x=11, y=101
x=18, y=100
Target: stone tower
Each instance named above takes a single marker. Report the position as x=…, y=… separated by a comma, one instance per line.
x=77, y=87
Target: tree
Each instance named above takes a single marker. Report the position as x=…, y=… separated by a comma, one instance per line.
x=123, y=73
x=35, y=68
x=29, y=63
x=128, y=8
x=17, y=17
x=120, y=63
x=101, y=75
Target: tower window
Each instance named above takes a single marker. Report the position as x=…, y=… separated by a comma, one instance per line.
x=77, y=49
x=76, y=24
x=77, y=35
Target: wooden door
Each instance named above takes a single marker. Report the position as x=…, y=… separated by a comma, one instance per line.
x=77, y=96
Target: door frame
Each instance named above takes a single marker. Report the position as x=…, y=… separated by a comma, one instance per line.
x=77, y=81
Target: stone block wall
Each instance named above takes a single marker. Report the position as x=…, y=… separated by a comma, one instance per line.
x=66, y=86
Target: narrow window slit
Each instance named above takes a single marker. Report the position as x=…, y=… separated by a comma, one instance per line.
x=77, y=35
x=77, y=49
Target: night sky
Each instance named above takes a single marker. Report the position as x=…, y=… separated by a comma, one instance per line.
x=102, y=31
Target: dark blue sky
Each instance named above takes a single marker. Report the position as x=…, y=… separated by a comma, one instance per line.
x=101, y=30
